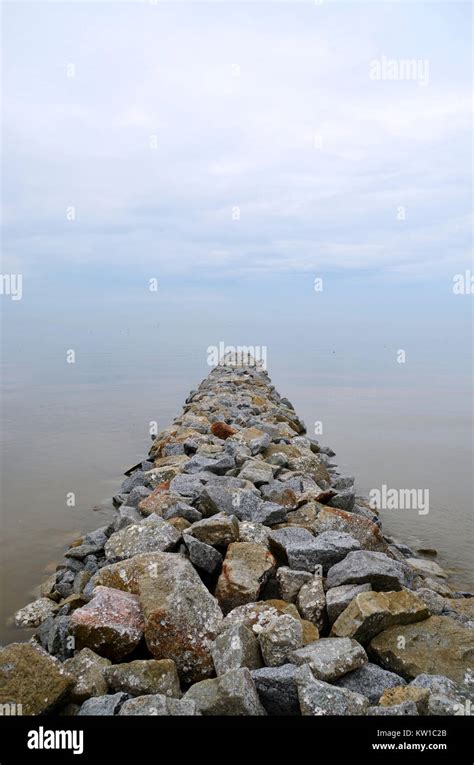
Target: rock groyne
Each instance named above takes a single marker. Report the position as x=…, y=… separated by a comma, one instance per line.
x=241, y=575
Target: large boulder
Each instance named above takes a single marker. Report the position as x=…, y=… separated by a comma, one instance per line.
x=338, y=598
x=181, y=617
x=439, y=645
x=237, y=646
x=365, y=531
x=152, y=534
x=88, y=670
x=144, y=676
x=319, y=698
x=370, y=680
x=296, y=546
x=219, y=530
x=277, y=689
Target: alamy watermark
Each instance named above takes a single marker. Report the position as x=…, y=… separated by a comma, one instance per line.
x=237, y=355
x=400, y=499
x=12, y=285
x=405, y=69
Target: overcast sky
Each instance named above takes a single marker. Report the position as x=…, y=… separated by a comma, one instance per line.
x=177, y=113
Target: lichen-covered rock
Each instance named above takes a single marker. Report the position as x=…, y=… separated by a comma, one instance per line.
x=246, y=568
x=445, y=696
x=311, y=602
x=365, y=531
x=181, y=617
x=438, y=645
x=371, y=612
x=382, y=572
x=144, y=676
x=88, y=670
x=158, y=705
x=33, y=682
x=126, y=574
x=427, y=567
x=278, y=638
x=219, y=530
x=111, y=624
x=103, y=705
x=152, y=534
x=36, y=612
x=235, y=647
x=320, y=698
x=330, y=658
x=332, y=547
x=232, y=693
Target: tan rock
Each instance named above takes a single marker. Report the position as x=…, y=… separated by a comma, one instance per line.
x=436, y=646
x=245, y=569
x=401, y=693
x=362, y=529
x=31, y=681
x=371, y=612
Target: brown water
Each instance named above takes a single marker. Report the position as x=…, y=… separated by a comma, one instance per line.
x=79, y=437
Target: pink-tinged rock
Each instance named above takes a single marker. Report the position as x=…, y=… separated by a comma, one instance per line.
x=111, y=624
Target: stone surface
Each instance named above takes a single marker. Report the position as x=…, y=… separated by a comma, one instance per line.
x=407, y=708
x=144, y=676
x=378, y=569
x=330, y=658
x=365, y=531
x=235, y=647
x=296, y=546
x=103, y=705
x=233, y=693
x=245, y=570
x=111, y=624
x=427, y=567
x=126, y=574
x=277, y=689
x=333, y=546
x=438, y=645
x=203, y=556
x=157, y=705
x=152, y=534
x=249, y=531
x=182, y=510
x=233, y=497
x=220, y=530
x=370, y=680
x=403, y=693
x=279, y=638
x=31, y=680
x=320, y=698
x=88, y=670
x=181, y=617
x=36, y=612
x=290, y=582
x=338, y=598
x=311, y=602
x=371, y=612
x=446, y=697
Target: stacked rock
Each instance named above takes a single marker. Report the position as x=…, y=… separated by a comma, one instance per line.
x=241, y=576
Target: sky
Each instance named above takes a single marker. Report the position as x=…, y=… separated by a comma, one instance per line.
x=236, y=152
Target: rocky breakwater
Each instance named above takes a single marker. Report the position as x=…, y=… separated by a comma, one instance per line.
x=241, y=576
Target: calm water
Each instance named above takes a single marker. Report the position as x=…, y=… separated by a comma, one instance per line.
x=79, y=434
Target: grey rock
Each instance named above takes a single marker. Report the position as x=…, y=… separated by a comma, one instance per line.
x=434, y=602
x=311, y=602
x=362, y=566
x=235, y=647
x=330, y=658
x=199, y=463
x=103, y=705
x=81, y=551
x=279, y=638
x=269, y=513
x=135, y=479
x=233, y=693
x=220, y=529
x=291, y=581
x=370, y=680
x=249, y=531
x=137, y=494
x=231, y=499
x=320, y=698
x=144, y=676
x=97, y=538
x=277, y=689
x=157, y=705
x=397, y=710
x=53, y=634
x=190, y=486
x=343, y=500
x=150, y=535
x=297, y=545
x=338, y=598
x=446, y=697
x=203, y=556
x=126, y=515
x=257, y=471
x=333, y=546
x=182, y=510
x=88, y=670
